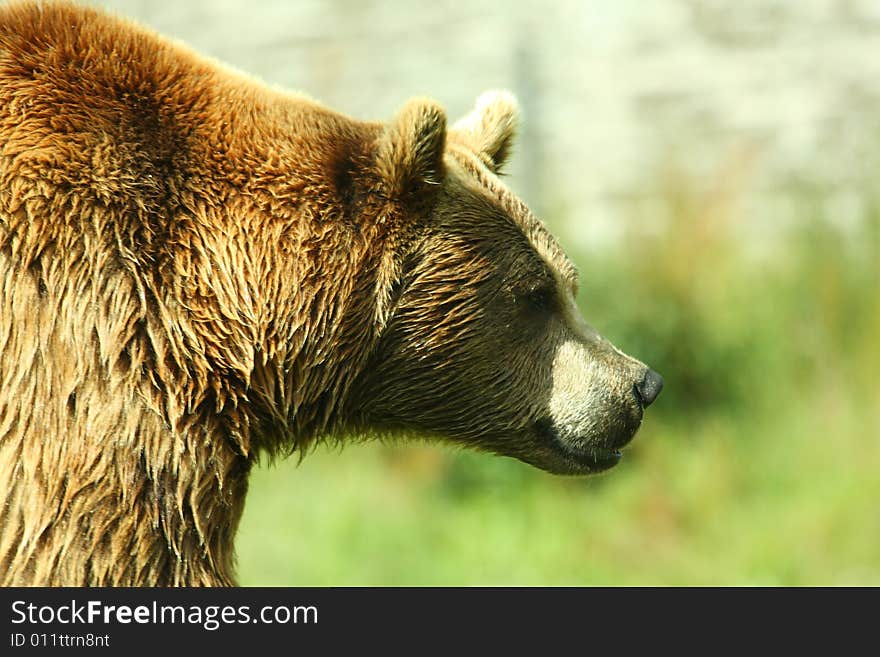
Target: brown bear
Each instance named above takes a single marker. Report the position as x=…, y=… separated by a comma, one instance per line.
x=196, y=269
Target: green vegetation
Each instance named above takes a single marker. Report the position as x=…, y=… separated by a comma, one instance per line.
x=759, y=463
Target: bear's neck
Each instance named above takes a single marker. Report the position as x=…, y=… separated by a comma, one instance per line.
x=125, y=455
x=135, y=395
x=110, y=473
x=138, y=505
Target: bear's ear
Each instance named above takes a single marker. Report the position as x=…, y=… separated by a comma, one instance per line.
x=490, y=127
x=410, y=154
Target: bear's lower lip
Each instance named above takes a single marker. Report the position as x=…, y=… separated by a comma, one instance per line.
x=589, y=459
x=580, y=458
x=608, y=458
x=595, y=459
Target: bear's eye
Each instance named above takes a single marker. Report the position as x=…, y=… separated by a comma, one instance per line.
x=537, y=298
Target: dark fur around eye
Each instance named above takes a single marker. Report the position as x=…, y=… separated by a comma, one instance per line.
x=538, y=298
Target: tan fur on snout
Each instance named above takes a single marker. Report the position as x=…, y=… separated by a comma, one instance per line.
x=593, y=383
x=592, y=398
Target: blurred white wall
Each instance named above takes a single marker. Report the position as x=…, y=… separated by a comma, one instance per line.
x=765, y=93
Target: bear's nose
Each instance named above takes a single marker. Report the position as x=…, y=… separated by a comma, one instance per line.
x=649, y=388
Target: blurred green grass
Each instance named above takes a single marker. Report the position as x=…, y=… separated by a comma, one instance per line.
x=759, y=463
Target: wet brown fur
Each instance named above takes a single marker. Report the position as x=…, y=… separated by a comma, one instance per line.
x=166, y=230
x=195, y=269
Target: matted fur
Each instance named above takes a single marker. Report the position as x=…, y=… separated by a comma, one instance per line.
x=195, y=269
x=154, y=328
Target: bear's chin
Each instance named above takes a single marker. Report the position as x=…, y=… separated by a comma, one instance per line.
x=561, y=455
x=588, y=461
x=566, y=461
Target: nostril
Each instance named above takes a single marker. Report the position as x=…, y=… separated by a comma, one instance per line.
x=649, y=388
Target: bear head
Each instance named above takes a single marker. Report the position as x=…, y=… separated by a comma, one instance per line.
x=482, y=343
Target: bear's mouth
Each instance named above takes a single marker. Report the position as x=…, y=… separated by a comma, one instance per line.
x=581, y=456
x=591, y=459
